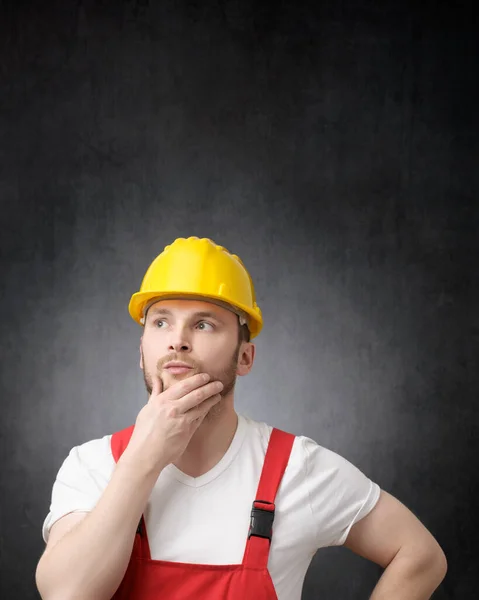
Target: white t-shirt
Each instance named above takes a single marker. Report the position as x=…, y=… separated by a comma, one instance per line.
x=206, y=519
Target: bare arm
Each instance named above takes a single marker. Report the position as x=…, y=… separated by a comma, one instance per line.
x=394, y=538
x=85, y=562
x=88, y=555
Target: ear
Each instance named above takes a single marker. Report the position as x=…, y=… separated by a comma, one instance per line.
x=246, y=358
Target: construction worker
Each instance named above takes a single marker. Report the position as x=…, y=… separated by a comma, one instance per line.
x=196, y=501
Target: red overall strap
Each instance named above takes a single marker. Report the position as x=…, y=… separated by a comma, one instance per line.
x=119, y=441
x=262, y=515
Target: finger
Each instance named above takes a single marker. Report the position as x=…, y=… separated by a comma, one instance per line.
x=198, y=396
x=181, y=388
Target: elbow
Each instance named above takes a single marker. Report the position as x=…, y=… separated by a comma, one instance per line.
x=434, y=562
x=47, y=587
x=441, y=564
x=435, y=559
x=54, y=586
x=437, y=568
x=429, y=558
x=39, y=581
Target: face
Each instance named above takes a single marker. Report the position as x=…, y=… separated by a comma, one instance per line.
x=201, y=334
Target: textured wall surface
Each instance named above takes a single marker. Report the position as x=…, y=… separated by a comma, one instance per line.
x=334, y=148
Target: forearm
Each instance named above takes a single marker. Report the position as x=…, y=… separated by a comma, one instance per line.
x=90, y=561
x=410, y=577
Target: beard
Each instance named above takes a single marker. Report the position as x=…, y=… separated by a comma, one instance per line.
x=227, y=376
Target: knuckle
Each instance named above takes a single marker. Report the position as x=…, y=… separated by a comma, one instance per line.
x=192, y=418
x=184, y=387
x=172, y=412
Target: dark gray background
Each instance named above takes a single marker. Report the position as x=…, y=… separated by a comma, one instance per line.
x=334, y=148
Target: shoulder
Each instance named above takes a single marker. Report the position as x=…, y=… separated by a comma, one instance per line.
x=327, y=469
x=93, y=454
x=103, y=448
x=80, y=480
x=340, y=492
x=86, y=470
x=304, y=448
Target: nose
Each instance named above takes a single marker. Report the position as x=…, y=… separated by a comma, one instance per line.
x=179, y=347
x=178, y=341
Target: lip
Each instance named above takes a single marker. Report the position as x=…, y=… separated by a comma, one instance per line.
x=178, y=370
x=177, y=365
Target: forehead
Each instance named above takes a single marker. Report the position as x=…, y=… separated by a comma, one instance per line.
x=185, y=308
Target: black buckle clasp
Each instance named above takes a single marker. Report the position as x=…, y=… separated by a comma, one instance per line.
x=261, y=524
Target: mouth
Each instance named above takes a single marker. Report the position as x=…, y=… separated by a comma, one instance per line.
x=177, y=367
x=177, y=370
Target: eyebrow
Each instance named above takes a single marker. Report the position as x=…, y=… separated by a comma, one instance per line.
x=196, y=315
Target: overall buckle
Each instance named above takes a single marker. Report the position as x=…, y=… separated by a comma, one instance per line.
x=261, y=524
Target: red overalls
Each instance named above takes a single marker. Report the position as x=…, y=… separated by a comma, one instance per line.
x=147, y=579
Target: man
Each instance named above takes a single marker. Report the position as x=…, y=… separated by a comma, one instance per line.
x=197, y=501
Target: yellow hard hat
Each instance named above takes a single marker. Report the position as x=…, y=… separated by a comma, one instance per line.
x=199, y=268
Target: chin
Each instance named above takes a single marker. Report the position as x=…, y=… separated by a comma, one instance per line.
x=178, y=375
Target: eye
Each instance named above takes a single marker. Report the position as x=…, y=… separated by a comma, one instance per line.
x=157, y=321
x=205, y=323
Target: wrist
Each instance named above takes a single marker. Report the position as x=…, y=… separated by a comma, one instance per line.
x=136, y=466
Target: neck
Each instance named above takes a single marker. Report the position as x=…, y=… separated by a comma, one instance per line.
x=210, y=441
